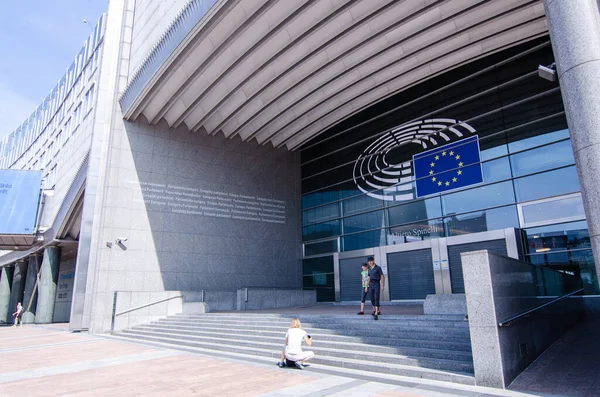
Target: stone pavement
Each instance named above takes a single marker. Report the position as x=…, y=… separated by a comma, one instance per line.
x=49, y=361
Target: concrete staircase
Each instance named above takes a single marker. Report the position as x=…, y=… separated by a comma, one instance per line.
x=429, y=347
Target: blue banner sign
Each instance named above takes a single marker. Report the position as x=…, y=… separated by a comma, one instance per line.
x=448, y=167
x=19, y=200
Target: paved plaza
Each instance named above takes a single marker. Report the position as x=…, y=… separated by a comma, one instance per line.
x=49, y=361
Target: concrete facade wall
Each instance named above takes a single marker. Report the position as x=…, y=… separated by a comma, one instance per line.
x=159, y=178
x=150, y=170
x=171, y=194
x=151, y=20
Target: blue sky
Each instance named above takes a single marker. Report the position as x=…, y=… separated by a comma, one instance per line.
x=39, y=40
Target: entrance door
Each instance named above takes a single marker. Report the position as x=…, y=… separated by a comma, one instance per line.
x=417, y=269
x=350, y=281
x=410, y=274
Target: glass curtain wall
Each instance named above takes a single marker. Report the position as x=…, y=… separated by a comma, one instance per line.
x=358, y=179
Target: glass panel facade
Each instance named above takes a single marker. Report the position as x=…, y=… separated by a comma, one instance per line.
x=482, y=197
x=415, y=211
x=547, y=184
x=320, y=247
x=415, y=232
x=321, y=230
x=569, y=208
x=566, y=247
x=318, y=275
x=543, y=158
x=359, y=177
x=481, y=221
x=375, y=238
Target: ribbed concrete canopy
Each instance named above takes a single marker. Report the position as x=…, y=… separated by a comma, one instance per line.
x=283, y=71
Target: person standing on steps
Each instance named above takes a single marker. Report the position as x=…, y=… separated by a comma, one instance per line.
x=292, y=350
x=364, y=275
x=376, y=285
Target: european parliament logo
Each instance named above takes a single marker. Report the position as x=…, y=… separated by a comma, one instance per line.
x=385, y=169
x=448, y=167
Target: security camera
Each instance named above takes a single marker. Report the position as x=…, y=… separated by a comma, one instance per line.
x=547, y=72
x=120, y=240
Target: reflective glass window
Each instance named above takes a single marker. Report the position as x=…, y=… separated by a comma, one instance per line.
x=537, y=140
x=368, y=221
x=357, y=241
x=481, y=221
x=579, y=263
x=493, y=152
x=415, y=211
x=317, y=274
x=318, y=198
x=321, y=230
x=543, y=158
x=559, y=237
x=320, y=214
x=321, y=247
x=420, y=231
x=547, y=184
x=478, y=198
x=496, y=170
x=560, y=210
x=361, y=203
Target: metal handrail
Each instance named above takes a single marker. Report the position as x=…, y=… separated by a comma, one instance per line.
x=148, y=304
x=115, y=314
x=507, y=323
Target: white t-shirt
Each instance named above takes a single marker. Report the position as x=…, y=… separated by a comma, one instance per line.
x=294, y=337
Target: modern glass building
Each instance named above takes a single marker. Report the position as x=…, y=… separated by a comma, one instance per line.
x=210, y=147
x=360, y=183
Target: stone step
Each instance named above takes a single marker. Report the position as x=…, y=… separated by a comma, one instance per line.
x=364, y=323
x=359, y=364
x=355, y=346
x=367, y=356
x=241, y=314
x=327, y=335
x=320, y=320
x=390, y=332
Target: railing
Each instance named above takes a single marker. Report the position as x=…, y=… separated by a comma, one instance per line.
x=115, y=314
x=507, y=291
x=521, y=289
x=508, y=322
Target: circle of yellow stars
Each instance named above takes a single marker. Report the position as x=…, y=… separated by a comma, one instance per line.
x=446, y=183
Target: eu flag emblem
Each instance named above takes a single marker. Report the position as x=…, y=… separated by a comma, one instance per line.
x=448, y=167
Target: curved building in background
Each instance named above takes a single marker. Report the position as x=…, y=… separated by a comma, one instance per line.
x=202, y=148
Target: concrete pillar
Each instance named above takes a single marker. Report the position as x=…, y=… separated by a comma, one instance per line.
x=18, y=286
x=29, y=294
x=5, y=284
x=47, y=285
x=575, y=34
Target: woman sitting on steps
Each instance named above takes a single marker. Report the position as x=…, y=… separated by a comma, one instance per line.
x=292, y=350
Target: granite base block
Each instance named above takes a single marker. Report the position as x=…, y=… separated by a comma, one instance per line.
x=452, y=304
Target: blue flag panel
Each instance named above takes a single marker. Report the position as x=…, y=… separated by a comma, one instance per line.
x=19, y=199
x=448, y=167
